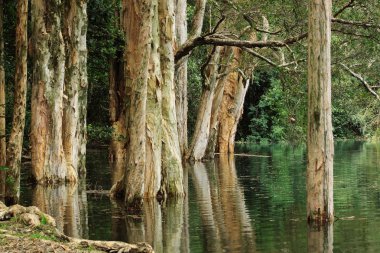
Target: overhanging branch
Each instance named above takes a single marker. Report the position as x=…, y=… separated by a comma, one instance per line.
x=361, y=79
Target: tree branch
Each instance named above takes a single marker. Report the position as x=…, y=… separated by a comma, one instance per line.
x=347, y=5
x=361, y=79
x=354, y=23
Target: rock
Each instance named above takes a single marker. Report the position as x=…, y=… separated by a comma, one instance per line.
x=35, y=210
x=3, y=206
x=30, y=219
x=5, y=215
x=16, y=210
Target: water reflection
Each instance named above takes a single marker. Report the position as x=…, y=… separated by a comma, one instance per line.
x=67, y=204
x=225, y=218
x=320, y=239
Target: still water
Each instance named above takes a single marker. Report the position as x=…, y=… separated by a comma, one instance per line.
x=233, y=204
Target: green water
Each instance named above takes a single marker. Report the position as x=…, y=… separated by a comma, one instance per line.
x=233, y=204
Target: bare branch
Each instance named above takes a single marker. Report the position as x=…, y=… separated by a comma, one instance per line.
x=218, y=24
x=347, y=5
x=361, y=79
x=261, y=57
x=354, y=23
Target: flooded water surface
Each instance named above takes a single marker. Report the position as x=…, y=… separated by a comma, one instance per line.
x=233, y=204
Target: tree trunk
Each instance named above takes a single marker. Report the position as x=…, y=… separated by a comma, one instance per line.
x=154, y=114
x=200, y=138
x=171, y=154
x=320, y=208
x=180, y=77
x=138, y=26
x=232, y=106
x=48, y=159
x=75, y=91
x=3, y=144
x=14, y=150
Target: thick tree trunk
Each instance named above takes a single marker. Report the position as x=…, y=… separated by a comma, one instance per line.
x=320, y=207
x=3, y=144
x=200, y=138
x=172, y=171
x=48, y=159
x=138, y=26
x=153, y=167
x=232, y=106
x=180, y=77
x=14, y=150
x=75, y=91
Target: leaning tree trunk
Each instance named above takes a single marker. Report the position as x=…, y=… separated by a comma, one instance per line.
x=200, y=138
x=172, y=170
x=138, y=26
x=14, y=150
x=320, y=144
x=75, y=90
x=180, y=77
x=3, y=145
x=232, y=106
x=48, y=159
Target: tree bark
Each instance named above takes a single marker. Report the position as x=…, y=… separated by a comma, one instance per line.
x=48, y=159
x=75, y=91
x=171, y=154
x=138, y=26
x=3, y=144
x=320, y=208
x=180, y=77
x=200, y=138
x=232, y=106
x=14, y=150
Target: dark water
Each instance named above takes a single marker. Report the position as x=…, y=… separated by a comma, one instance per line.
x=234, y=204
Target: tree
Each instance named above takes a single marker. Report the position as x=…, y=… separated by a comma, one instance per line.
x=320, y=145
x=48, y=158
x=16, y=138
x=75, y=87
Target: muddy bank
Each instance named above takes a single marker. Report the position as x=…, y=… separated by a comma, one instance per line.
x=27, y=229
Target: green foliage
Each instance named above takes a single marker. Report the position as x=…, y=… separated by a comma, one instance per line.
x=4, y=168
x=43, y=220
x=10, y=180
x=98, y=134
x=38, y=235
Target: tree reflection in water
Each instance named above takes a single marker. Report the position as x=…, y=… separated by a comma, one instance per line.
x=67, y=204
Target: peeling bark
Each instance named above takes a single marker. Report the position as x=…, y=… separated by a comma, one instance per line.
x=75, y=90
x=171, y=154
x=48, y=159
x=320, y=144
x=14, y=150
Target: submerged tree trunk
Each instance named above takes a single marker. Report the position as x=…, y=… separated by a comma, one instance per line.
x=3, y=145
x=138, y=25
x=48, y=159
x=171, y=154
x=320, y=208
x=180, y=77
x=232, y=106
x=14, y=150
x=75, y=90
x=200, y=138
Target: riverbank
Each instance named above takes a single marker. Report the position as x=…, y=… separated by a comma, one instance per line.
x=27, y=229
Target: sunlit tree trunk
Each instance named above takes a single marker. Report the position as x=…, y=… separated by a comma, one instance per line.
x=320, y=145
x=3, y=145
x=138, y=26
x=231, y=109
x=172, y=170
x=15, y=142
x=48, y=159
x=75, y=89
x=201, y=134
x=180, y=77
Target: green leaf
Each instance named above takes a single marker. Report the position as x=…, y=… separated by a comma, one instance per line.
x=4, y=168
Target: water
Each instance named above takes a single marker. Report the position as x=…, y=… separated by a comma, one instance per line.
x=233, y=204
